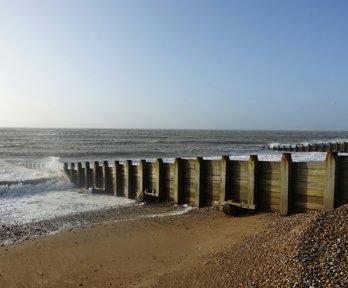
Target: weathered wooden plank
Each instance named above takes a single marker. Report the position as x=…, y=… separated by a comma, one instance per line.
x=239, y=185
x=211, y=178
x=308, y=172
x=178, y=193
x=309, y=165
x=309, y=179
x=309, y=192
x=224, y=180
x=309, y=199
x=266, y=167
x=304, y=206
x=275, y=176
x=270, y=194
x=309, y=185
x=330, y=181
x=272, y=182
x=275, y=189
x=270, y=207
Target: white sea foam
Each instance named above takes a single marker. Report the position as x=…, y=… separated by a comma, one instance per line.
x=50, y=167
x=28, y=203
x=54, y=197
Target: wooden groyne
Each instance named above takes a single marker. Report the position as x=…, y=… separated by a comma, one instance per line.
x=310, y=147
x=282, y=186
x=37, y=166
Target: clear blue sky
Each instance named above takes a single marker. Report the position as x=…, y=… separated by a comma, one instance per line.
x=174, y=64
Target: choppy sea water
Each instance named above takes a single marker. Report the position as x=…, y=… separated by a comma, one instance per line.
x=54, y=196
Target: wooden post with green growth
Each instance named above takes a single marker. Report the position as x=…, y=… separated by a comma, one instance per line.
x=128, y=188
x=72, y=170
x=88, y=180
x=96, y=174
x=199, y=183
x=285, y=183
x=330, y=180
x=142, y=176
x=252, y=185
x=224, y=183
x=177, y=181
x=105, y=176
x=159, y=179
x=116, y=186
x=80, y=176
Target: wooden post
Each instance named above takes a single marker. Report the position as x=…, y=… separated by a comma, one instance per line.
x=128, y=190
x=252, y=185
x=285, y=183
x=65, y=168
x=116, y=187
x=330, y=182
x=88, y=180
x=177, y=181
x=224, y=183
x=72, y=170
x=142, y=173
x=159, y=179
x=330, y=147
x=199, y=183
x=80, y=177
x=105, y=176
x=96, y=180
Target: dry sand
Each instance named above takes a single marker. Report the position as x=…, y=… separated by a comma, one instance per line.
x=127, y=251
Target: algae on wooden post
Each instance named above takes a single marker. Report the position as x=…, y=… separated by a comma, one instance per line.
x=199, y=183
x=177, y=191
x=224, y=183
x=285, y=183
x=330, y=181
x=252, y=186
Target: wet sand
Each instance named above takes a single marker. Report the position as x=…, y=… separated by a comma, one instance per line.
x=125, y=250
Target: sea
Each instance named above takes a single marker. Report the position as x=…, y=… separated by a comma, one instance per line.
x=29, y=195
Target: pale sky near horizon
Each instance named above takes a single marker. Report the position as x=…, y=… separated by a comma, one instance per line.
x=174, y=64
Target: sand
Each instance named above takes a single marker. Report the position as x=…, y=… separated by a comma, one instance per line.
x=127, y=251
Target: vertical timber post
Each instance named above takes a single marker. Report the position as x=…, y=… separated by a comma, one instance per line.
x=105, y=176
x=142, y=173
x=88, y=179
x=159, y=179
x=177, y=181
x=65, y=167
x=79, y=175
x=224, y=183
x=96, y=174
x=116, y=187
x=330, y=181
x=199, y=187
x=128, y=190
x=285, y=184
x=72, y=171
x=252, y=185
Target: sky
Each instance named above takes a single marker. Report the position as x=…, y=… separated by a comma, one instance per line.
x=180, y=64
